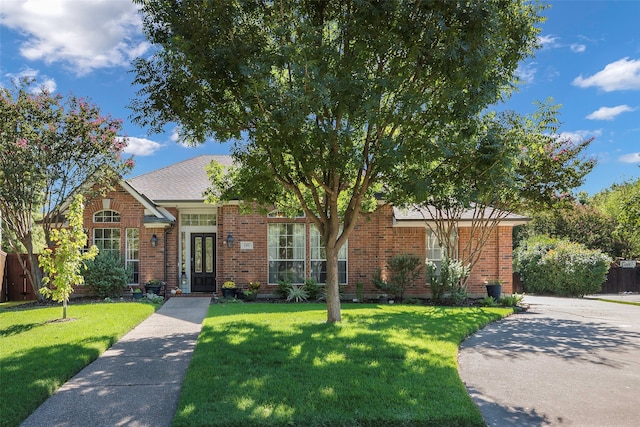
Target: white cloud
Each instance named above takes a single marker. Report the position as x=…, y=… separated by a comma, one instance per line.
x=630, y=158
x=527, y=72
x=578, y=47
x=580, y=135
x=548, y=41
x=84, y=35
x=30, y=73
x=609, y=113
x=141, y=146
x=623, y=74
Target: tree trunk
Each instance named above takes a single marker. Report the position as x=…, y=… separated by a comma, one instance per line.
x=333, y=292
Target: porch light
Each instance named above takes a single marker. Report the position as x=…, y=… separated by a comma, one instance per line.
x=154, y=241
x=230, y=240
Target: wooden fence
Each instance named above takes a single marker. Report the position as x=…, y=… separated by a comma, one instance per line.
x=619, y=280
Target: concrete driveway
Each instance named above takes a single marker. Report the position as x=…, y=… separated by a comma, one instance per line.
x=565, y=362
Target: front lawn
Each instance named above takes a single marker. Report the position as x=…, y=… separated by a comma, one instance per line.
x=38, y=352
x=282, y=365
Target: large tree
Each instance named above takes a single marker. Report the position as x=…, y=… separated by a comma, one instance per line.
x=329, y=95
x=510, y=164
x=49, y=147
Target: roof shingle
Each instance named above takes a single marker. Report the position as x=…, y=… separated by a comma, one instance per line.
x=182, y=181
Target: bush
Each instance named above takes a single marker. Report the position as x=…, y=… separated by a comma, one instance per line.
x=312, y=289
x=106, y=275
x=404, y=270
x=450, y=279
x=282, y=290
x=560, y=267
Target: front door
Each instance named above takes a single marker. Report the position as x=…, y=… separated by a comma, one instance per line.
x=203, y=262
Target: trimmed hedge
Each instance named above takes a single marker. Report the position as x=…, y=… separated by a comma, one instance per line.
x=560, y=267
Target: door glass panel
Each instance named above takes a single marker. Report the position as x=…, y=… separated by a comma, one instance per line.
x=198, y=255
x=208, y=244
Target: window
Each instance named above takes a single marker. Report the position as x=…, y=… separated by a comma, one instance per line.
x=132, y=260
x=107, y=239
x=286, y=252
x=319, y=259
x=435, y=253
x=196, y=219
x=106, y=216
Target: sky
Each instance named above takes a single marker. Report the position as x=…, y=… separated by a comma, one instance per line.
x=589, y=62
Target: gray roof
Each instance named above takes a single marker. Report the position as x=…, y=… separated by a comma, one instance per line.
x=422, y=213
x=180, y=182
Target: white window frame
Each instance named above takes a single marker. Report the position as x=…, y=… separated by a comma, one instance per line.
x=106, y=216
x=294, y=251
x=132, y=253
x=105, y=239
x=434, y=252
x=318, y=258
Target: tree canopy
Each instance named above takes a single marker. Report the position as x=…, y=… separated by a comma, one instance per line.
x=511, y=164
x=326, y=98
x=49, y=147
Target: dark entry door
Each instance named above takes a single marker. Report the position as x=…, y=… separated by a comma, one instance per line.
x=203, y=262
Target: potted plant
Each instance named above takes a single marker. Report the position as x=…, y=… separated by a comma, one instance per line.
x=494, y=288
x=229, y=289
x=137, y=293
x=251, y=293
x=153, y=286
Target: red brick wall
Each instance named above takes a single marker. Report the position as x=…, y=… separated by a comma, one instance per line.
x=373, y=241
x=152, y=259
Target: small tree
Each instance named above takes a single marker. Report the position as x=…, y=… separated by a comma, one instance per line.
x=62, y=265
x=404, y=270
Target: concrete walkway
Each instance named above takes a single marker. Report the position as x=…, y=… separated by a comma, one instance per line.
x=565, y=362
x=137, y=381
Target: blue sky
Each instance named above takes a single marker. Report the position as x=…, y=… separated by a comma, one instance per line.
x=589, y=63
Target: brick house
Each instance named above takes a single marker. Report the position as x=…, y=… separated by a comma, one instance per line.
x=161, y=224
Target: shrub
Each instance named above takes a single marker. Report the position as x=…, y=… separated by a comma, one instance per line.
x=404, y=270
x=297, y=293
x=560, y=267
x=312, y=289
x=511, y=300
x=450, y=279
x=106, y=275
x=282, y=290
x=488, y=302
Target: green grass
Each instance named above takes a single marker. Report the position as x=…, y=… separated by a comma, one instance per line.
x=282, y=365
x=38, y=354
x=617, y=301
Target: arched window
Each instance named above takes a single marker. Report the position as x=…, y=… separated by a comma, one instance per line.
x=106, y=216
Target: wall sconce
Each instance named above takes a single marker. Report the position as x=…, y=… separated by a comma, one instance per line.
x=230, y=240
x=183, y=279
x=154, y=241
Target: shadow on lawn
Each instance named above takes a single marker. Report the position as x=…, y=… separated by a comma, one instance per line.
x=379, y=368
x=29, y=378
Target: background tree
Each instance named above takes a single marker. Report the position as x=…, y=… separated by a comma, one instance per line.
x=63, y=263
x=622, y=202
x=330, y=95
x=509, y=164
x=49, y=147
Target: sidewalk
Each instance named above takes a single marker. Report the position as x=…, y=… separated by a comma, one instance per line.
x=137, y=381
